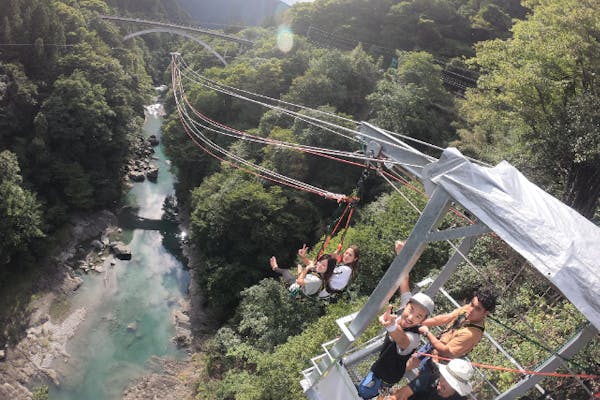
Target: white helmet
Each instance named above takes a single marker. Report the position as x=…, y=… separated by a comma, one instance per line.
x=423, y=300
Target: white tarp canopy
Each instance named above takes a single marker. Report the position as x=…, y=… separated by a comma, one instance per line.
x=560, y=243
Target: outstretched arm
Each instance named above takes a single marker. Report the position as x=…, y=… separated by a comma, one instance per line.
x=302, y=254
x=398, y=246
x=404, y=284
x=392, y=324
x=441, y=319
x=435, y=342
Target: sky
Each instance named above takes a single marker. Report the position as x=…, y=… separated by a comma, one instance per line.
x=291, y=2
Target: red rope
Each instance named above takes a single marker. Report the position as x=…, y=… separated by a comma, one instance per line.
x=334, y=230
x=517, y=371
x=341, y=244
x=317, y=153
x=191, y=136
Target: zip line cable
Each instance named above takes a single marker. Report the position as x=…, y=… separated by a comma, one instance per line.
x=303, y=117
x=315, y=121
x=252, y=168
x=286, y=180
x=317, y=151
x=232, y=132
x=43, y=44
x=231, y=91
x=267, y=97
x=348, y=154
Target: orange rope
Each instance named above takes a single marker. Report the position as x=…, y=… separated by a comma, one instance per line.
x=330, y=236
x=518, y=371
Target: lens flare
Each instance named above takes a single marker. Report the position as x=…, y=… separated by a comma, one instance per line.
x=285, y=39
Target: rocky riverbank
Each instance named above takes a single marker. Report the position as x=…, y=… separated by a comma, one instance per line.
x=174, y=380
x=50, y=327
x=52, y=323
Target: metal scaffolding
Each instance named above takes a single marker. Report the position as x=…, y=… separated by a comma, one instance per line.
x=330, y=368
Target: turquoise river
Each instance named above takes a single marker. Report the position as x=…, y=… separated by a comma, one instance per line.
x=129, y=306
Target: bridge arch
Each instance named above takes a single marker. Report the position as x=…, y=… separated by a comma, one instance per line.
x=180, y=33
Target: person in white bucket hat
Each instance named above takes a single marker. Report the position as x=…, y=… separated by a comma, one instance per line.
x=457, y=374
x=452, y=383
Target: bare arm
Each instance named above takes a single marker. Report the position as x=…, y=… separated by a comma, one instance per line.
x=442, y=319
x=398, y=246
x=392, y=325
x=302, y=254
x=435, y=342
x=404, y=285
x=302, y=272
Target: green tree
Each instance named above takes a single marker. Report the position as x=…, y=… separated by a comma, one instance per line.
x=412, y=100
x=429, y=25
x=79, y=124
x=20, y=214
x=339, y=79
x=18, y=99
x=236, y=225
x=538, y=100
x=253, y=374
x=267, y=316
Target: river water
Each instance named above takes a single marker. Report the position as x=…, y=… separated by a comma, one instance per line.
x=130, y=305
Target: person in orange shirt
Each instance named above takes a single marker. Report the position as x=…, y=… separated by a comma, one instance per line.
x=464, y=329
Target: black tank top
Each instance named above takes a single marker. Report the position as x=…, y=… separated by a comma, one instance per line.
x=390, y=366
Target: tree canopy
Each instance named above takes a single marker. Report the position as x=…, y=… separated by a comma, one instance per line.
x=20, y=214
x=537, y=100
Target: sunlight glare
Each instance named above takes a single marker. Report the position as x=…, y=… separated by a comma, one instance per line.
x=285, y=39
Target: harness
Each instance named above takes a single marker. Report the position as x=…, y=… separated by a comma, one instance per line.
x=390, y=366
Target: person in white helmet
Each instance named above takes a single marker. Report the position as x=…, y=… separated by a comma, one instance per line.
x=453, y=382
x=401, y=340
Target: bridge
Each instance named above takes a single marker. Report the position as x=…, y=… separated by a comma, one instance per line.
x=181, y=30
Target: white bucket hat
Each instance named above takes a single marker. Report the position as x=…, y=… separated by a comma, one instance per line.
x=458, y=373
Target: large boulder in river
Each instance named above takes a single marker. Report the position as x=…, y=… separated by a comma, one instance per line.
x=152, y=174
x=97, y=245
x=121, y=251
x=136, y=176
x=153, y=140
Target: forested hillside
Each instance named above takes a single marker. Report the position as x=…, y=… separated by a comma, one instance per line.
x=526, y=96
x=71, y=104
x=66, y=92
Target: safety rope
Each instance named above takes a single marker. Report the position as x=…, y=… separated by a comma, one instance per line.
x=335, y=228
x=314, y=121
x=535, y=342
x=250, y=167
x=516, y=371
x=327, y=153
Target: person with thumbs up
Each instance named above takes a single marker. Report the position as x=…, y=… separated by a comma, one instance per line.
x=401, y=340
